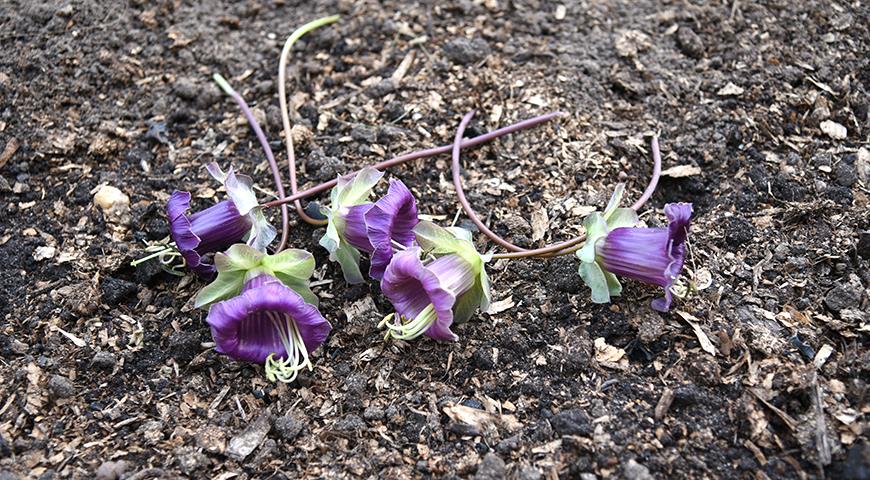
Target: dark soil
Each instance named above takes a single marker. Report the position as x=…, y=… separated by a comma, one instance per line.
x=107, y=371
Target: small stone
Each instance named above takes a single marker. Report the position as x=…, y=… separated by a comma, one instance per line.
x=244, y=443
x=111, y=470
x=730, y=90
x=382, y=88
x=528, y=472
x=104, y=361
x=151, y=431
x=857, y=465
x=863, y=246
x=635, y=471
x=834, y=130
x=288, y=426
x=364, y=134
x=492, y=467
x=189, y=460
x=373, y=413
x=843, y=296
x=572, y=422
x=60, y=387
x=690, y=43
x=44, y=253
x=846, y=175
x=465, y=51
x=109, y=197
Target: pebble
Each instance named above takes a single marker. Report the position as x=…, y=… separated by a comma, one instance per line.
x=111, y=470
x=572, y=422
x=465, y=51
x=60, y=387
x=151, y=431
x=364, y=134
x=109, y=197
x=104, y=361
x=288, y=426
x=843, y=296
x=244, y=443
x=690, y=43
x=492, y=467
x=189, y=460
x=863, y=247
x=636, y=471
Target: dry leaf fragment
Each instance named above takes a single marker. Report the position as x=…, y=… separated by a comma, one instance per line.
x=822, y=355
x=607, y=353
x=501, y=305
x=681, y=171
x=705, y=342
x=540, y=222
x=730, y=90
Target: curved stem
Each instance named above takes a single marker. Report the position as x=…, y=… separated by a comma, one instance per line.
x=276, y=173
x=285, y=116
x=429, y=152
x=647, y=193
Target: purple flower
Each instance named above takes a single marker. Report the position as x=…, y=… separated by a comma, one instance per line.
x=650, y=255
x=207, y=231
x=356, y=225
x=268, y=322
x=430, y=296
x=424, y=295
x=390, y=222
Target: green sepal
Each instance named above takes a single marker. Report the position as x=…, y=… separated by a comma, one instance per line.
x=342, y=252
x=621, y=217
x=596, y=228
x=593, y=276
x=615, y=200
x=613, y=285
x=227, y=284
x=293, y=267
x=350, y=191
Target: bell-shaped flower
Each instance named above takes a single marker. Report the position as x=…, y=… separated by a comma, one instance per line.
x=432, y=290
x=651, y=255
x=356, y=225
x=269, y=323
x=211, y=230
x=389, y=225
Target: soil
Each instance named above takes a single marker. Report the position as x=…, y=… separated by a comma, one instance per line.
x=108, y=372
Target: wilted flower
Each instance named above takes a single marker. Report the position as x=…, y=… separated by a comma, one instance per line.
x=356, y=225
x=207, y=231
x=211, y=230
x=430, y=295
x=650, y=255
x=268, y=323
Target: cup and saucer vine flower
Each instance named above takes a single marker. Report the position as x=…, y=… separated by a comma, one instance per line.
x=193, y=236
x=356, y=225
x=614, y=246
x=262, y=309
x=433, y=285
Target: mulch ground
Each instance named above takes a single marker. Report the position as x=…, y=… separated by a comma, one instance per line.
x=759, y=372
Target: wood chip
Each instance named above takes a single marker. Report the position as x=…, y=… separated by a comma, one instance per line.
x=664, y=403
x=682, y=171
x=705, y=342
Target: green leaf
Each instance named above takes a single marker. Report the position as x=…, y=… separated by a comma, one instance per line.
x=622, y=217
x=292, y=262
x=615, y=199
x=227, y=284
x=467, y=303
x=593, y=277
x=595, y=229
x=238, y=257
x=302, y=287
x=459, y=233
x=436, y=239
